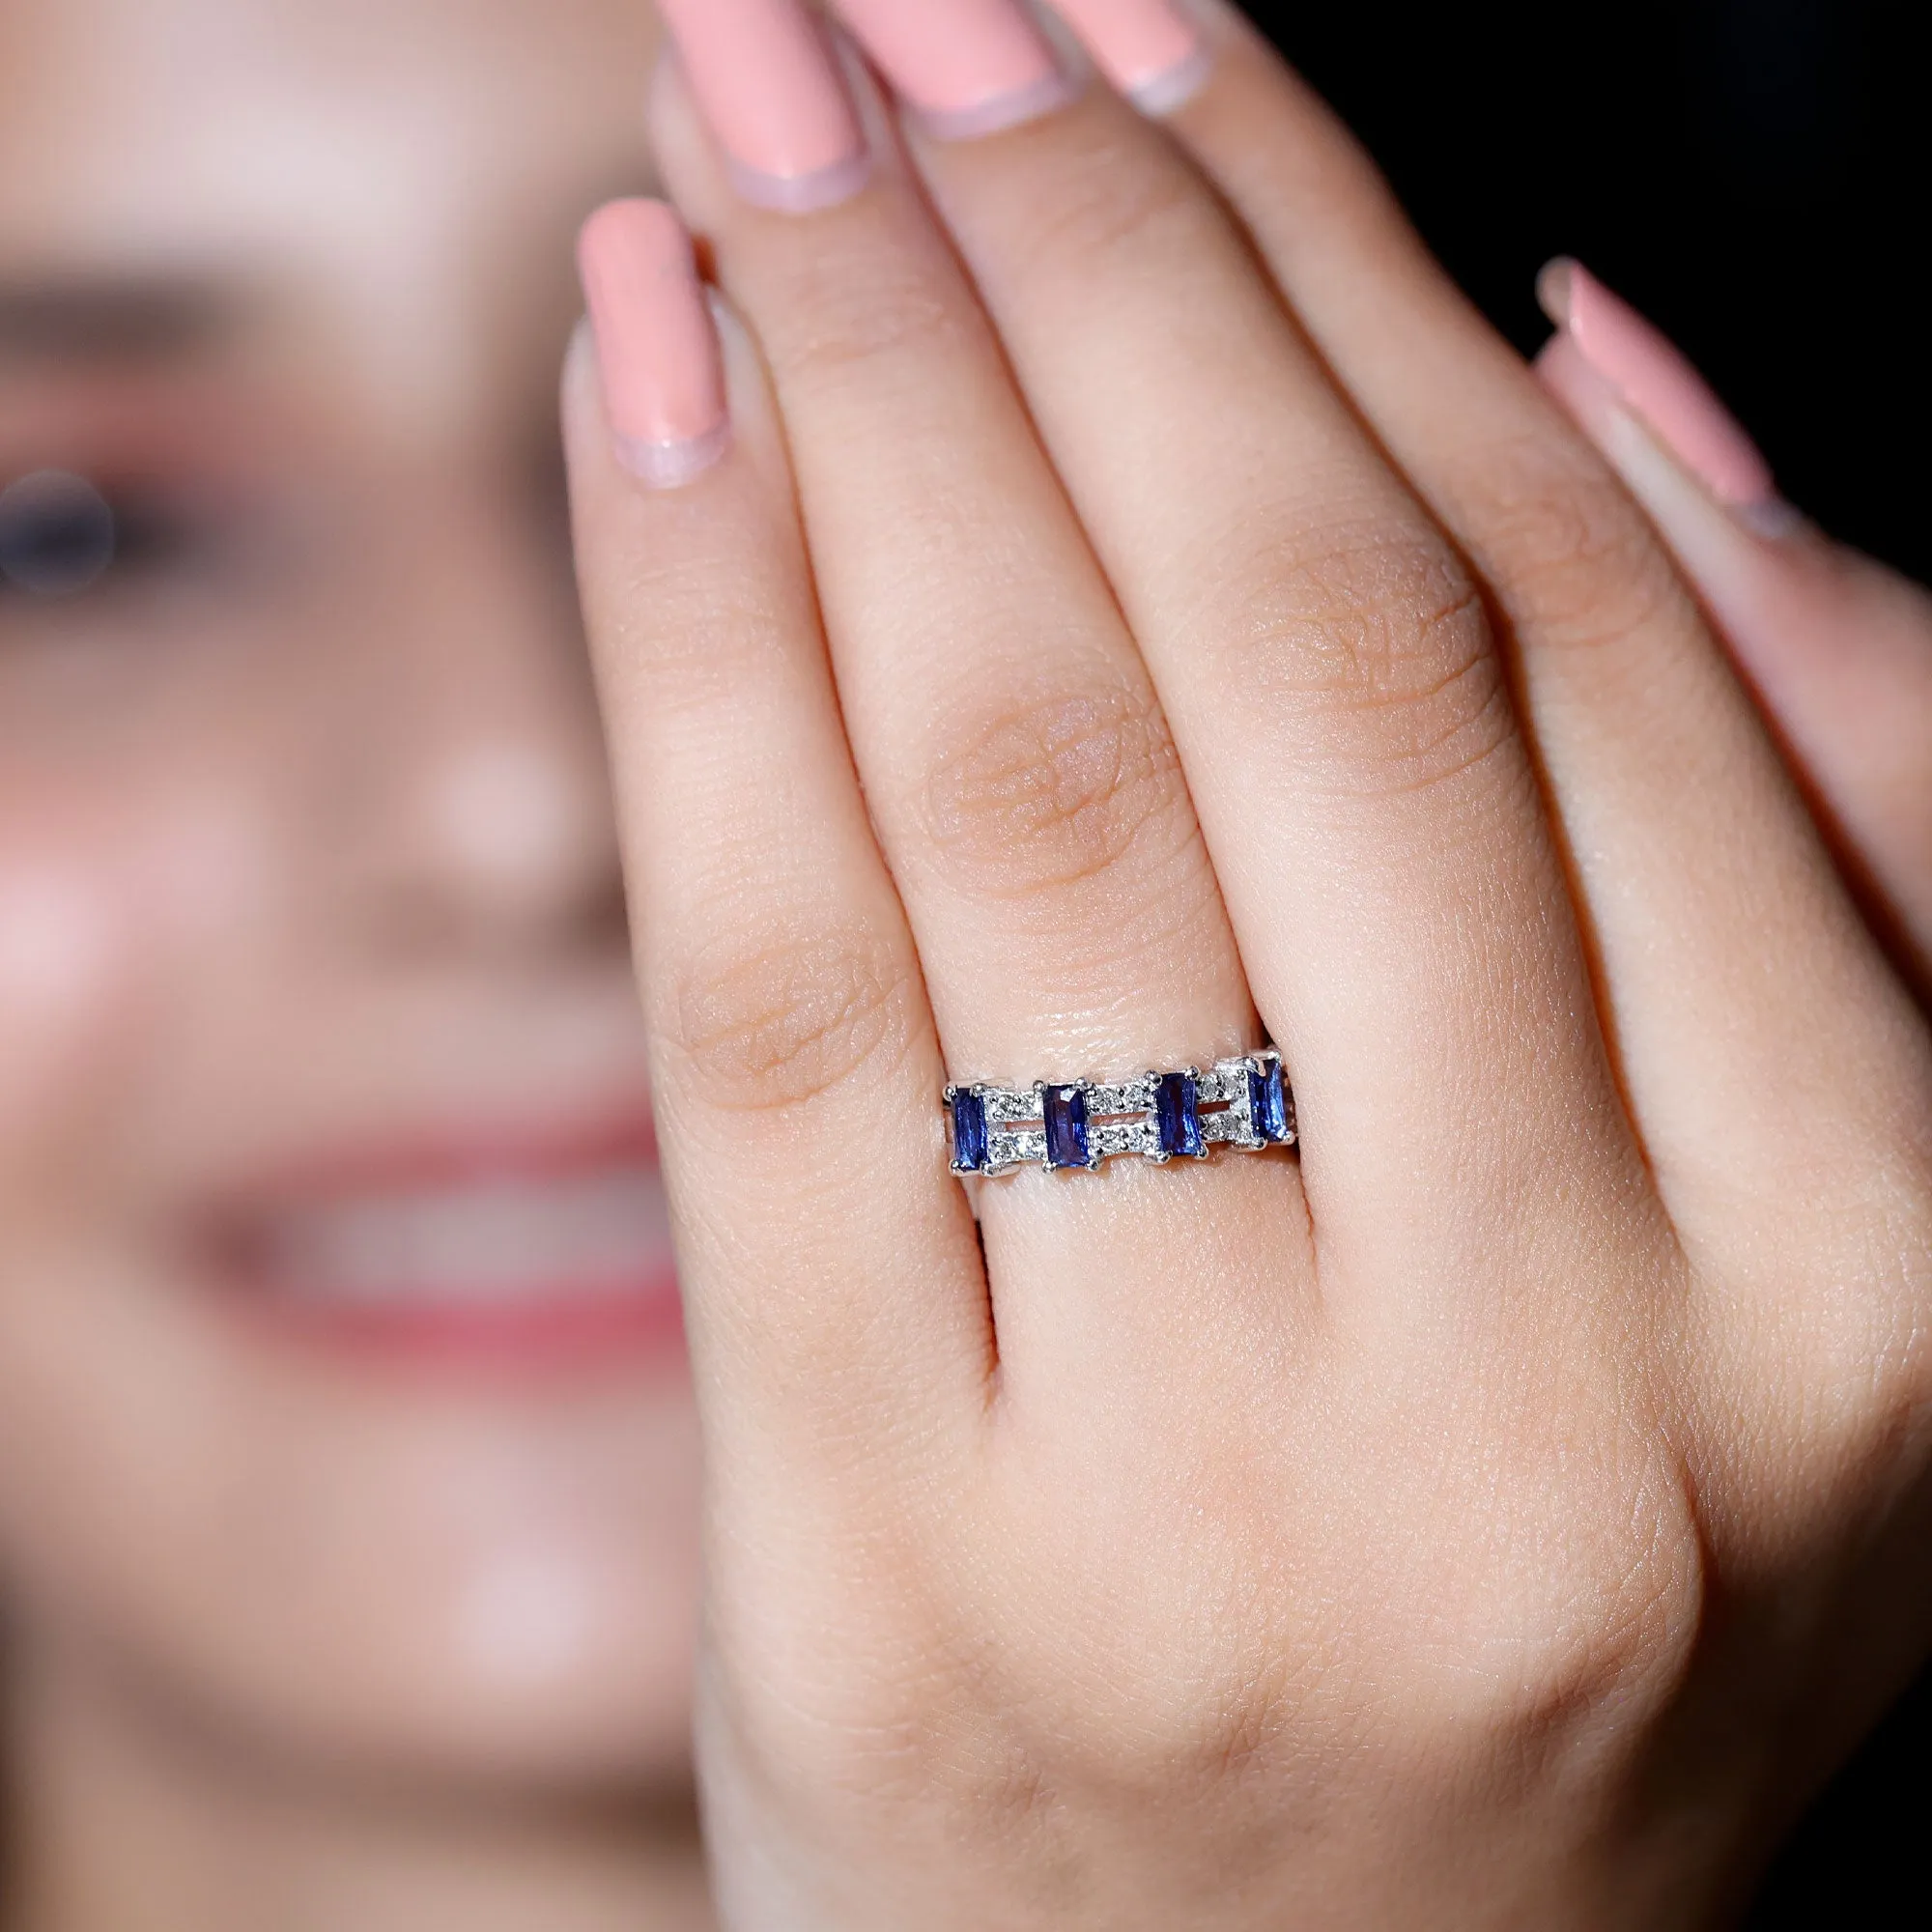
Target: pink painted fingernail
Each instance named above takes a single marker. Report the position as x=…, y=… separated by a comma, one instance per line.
x=1148, y=48
x=771, y=90
x=1659, y=384
x=657, y=346
x=968, y=66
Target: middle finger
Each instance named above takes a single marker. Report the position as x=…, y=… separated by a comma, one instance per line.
x=1017, y=760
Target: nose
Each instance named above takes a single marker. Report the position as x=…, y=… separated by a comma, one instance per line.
x=471, y=800
x=501, y=835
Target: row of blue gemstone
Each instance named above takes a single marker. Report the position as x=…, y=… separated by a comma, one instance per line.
x=1176, y=1119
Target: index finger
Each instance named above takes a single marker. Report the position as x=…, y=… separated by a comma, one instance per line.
x=829, y=1261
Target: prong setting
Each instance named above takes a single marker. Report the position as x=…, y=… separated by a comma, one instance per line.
x=1075, y=1126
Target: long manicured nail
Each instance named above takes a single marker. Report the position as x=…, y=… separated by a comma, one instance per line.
x=657, y=344
x=1148, y=48
x=968, y=66
x=1658, y=385
x=768, y=85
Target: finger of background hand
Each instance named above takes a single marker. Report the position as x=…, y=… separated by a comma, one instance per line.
x=1015, y=758
x=1838, y=649
x=1691, y=849
x=1340, y=709
x=830, y=1265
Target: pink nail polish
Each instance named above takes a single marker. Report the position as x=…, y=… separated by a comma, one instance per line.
x=771, y=91
x=1658, y=384
x=657, y=346
x=1148, y=48
x=968, y=66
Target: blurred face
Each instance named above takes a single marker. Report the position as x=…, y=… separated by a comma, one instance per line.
x=341, y=1395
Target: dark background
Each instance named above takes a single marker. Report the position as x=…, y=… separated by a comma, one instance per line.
x=1757, y=176
x=1752, y=174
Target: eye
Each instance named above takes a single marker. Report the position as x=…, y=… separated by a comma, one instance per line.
x=62, y=535
x=58, y=534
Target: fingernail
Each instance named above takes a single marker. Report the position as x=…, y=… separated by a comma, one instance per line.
x=657, y=346
x=968, y=66
x=771, y=91
x=1148, y=48
x=1658, y=385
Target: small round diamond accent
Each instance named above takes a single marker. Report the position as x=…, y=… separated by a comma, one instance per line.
x=1074, y=1126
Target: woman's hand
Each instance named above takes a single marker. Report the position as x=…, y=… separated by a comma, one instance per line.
x=1837, y=647
x=1142, y=610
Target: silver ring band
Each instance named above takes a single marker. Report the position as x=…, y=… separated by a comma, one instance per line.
x=1074, y=1126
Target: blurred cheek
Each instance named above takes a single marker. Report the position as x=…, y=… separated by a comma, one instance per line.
x=99, y=918
x=69, y=982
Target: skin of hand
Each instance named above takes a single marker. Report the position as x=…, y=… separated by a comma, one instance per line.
x=1837, y=647
x=1142, y=608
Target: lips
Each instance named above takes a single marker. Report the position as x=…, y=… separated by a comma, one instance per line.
x=506, y=1259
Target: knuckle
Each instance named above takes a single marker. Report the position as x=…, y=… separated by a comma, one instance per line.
x=1110, y=206
x=1576, y=564
x=1053, y=791
x=1564, y=1615
x=783, y=1023
x=1381, y=643
x=844, y=317
x=687, y=635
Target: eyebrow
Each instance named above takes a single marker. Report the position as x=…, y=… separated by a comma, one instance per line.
x=115, y=320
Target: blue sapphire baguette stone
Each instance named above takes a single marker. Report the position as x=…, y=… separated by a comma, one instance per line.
x=1077, y=1126
x=1177, y=1117
x=969, y=1130
x=1269, y=1102
x=1284, y=1105
x=1068, y=1143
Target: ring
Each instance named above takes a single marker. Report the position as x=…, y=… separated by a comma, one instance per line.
x=1076, y=1124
